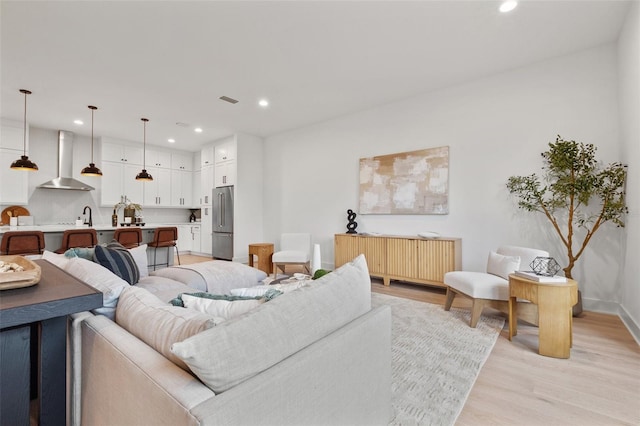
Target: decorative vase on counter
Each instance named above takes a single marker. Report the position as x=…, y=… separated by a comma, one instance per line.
x=130, y=212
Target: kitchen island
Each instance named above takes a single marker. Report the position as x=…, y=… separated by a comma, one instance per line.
x=53, y=234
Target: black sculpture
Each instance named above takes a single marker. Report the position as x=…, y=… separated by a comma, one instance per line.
x=352, y=225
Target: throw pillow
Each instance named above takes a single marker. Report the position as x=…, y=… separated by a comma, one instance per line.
x=226, y=309
x=140, y=257
x=99, y=278
x=119, y=261
x=157, y=324
x=501, y=265
x=83, y=252
x=57, y=259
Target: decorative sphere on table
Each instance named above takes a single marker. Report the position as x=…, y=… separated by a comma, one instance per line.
x=545, y=266
x=352, y=225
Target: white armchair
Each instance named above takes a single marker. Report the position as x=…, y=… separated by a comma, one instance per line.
x=295, y=249
x=491, y=288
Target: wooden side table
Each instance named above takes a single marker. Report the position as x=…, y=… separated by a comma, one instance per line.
x=264, y=251
x=555, y=316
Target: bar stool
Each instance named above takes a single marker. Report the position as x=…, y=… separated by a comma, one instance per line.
x=164, y=237
x=71, y=238
x=22, y=242
x=128, y=237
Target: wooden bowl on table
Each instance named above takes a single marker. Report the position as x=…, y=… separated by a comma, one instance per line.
x=29, y=276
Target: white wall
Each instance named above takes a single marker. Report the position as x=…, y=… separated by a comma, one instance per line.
x=495, y=127
x=629, y=89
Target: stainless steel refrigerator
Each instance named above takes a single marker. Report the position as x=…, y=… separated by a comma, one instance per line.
x=222, y=210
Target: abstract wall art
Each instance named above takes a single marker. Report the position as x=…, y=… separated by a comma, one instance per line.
x=415, y=182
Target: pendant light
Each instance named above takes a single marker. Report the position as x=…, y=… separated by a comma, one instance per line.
x=143, y=175
x=23, y=163
x=91, y=170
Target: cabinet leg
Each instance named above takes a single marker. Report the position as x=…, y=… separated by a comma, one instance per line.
x=386, y=281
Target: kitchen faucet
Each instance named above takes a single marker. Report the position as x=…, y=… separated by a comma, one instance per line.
x=90, y=223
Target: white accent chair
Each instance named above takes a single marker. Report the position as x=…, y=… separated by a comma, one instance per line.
x=295, y=249
x=491, y=288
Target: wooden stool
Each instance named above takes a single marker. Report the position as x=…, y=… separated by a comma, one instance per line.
x=264, y=251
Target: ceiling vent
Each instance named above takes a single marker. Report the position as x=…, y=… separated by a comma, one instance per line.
x=228, y=99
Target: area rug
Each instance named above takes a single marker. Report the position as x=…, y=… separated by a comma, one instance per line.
x=436, y=358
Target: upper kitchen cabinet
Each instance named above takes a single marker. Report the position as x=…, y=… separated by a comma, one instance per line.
x=119, y=180
x=12, y=135
x=12, y=148
x=182, y=161
x=121, y=152
x=225, y=157
x=157, y=158
x=182, y=188
x=225, y=152
x=14, y=189
x=206, y=156
x=157, y=193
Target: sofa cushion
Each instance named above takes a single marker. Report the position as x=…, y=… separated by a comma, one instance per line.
x=119, y=261
x=158, y=324
x=238, y=349
x=99, y=278
x=478, y=284
x=502, y=265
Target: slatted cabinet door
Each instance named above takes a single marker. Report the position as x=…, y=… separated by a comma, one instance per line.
x=401, y=259
x=435, y=258
x=375, y=250
x=346, y=247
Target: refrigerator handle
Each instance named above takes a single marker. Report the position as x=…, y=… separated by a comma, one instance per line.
x=221, y=209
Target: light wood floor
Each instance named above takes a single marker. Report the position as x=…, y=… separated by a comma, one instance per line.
x=598, y=385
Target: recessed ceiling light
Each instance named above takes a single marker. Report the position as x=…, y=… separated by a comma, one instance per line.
x=508, y=6
x=197, y=130
x=263, y=103
x=171, y=140
x=78, y=122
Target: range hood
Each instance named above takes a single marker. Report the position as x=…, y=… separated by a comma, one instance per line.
x=65, y=166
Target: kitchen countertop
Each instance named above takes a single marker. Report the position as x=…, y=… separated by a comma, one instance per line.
x=98, y=227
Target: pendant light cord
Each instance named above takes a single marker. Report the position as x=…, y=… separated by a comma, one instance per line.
x=144, y=144
x=92, y=109
x=24, y=128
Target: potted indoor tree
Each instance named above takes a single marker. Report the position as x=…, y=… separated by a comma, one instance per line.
x=575, y=193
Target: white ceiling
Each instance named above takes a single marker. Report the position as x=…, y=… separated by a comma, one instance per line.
x=170, y=61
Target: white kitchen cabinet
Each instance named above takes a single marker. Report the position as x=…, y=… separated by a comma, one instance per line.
x=181, y=188
x=184, y=239
x=121, y=151
x=206, y=156
x=181, y=161
x=12, y=136
x=206, y=231
x=14, y=189
x=196, y=191
x=119, y=180
x=159, y=159
x=207, y=184
x=195, y=239
x=225, y=173
x=157, y=193
x=225, y=152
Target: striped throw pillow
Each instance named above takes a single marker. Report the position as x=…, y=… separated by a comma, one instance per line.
x=119, y=261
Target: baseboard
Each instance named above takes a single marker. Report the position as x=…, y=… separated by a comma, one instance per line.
x=631, y=325
x=601, y=306
x=613, y=308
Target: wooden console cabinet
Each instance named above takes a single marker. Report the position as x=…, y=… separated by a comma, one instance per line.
x=412, y=259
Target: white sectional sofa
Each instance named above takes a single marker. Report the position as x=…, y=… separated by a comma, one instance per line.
x=316, y=355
